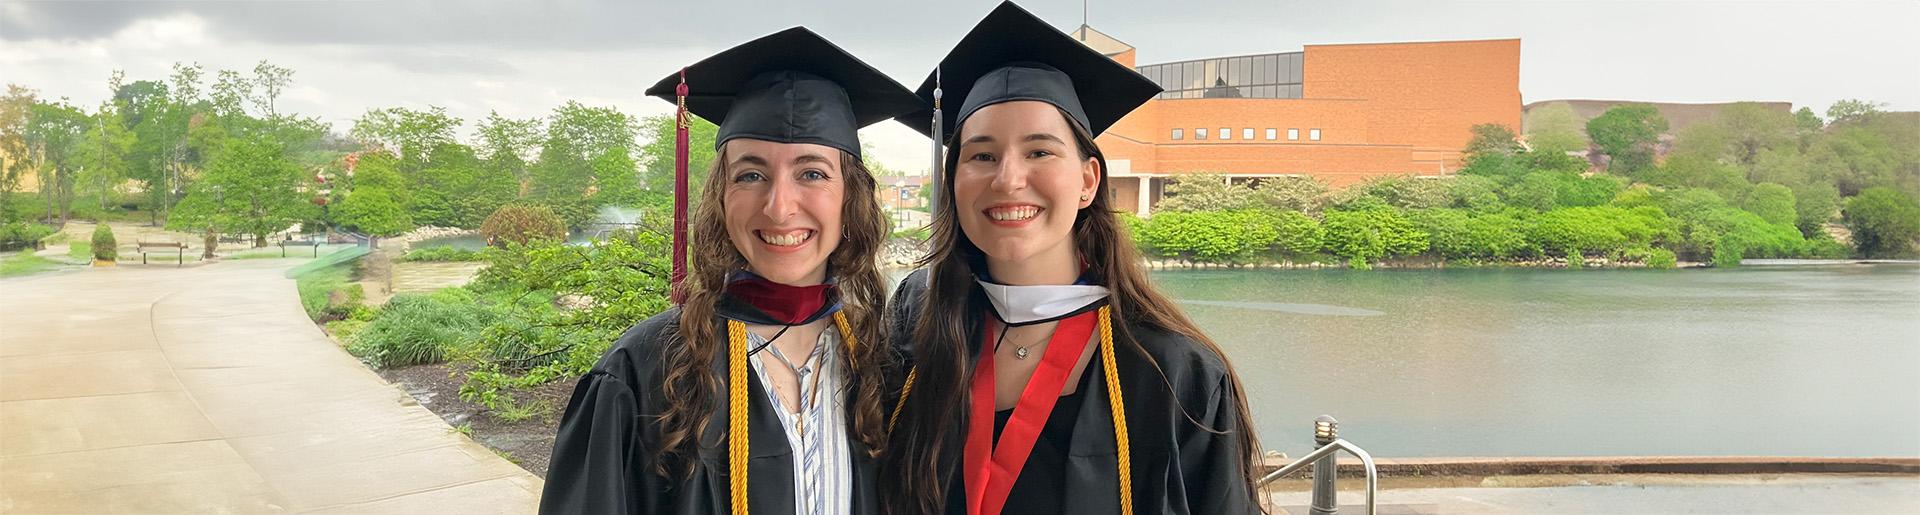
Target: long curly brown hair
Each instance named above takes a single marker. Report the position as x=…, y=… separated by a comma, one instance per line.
x=912, y=478
x=690, y=380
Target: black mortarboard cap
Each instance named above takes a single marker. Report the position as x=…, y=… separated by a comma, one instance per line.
x=792, y=86
x=1014, y=55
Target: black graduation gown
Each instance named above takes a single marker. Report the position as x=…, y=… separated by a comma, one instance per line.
x=601, y=455
x=1178, y=467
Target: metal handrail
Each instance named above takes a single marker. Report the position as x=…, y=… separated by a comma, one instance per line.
x=1366, y=461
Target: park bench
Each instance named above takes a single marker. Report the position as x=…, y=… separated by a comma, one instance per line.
x=309, y=242
x=179, y=250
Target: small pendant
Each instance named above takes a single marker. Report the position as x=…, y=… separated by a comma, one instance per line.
x=1020, y=353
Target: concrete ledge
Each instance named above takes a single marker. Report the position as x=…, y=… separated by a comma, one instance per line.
x=1414, y=467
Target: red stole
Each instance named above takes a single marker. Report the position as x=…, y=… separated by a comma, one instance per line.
x=992, y=468
x=787, y=304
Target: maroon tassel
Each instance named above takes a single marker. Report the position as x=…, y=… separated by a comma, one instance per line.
x=681, y=122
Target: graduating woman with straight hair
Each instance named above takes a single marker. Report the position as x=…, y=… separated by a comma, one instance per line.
x=1047, y=375
x=761, y=392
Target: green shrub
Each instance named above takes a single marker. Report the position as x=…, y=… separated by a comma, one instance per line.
x=15, y=235
x=420, y=328
x=329, y=293
x=1371, y=234
x=441, y=254
x=1212, y=236
x=523, y=224
x=622, y=279
x=1884, y=222
x=104, y=247
x=1661, y=258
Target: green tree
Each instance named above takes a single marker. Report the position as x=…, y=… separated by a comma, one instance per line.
x=454, y=188
x=16, y=111
x=1492, y=139
x=1555, y=128
x=1752, y=127
x=576, y=135
x=377, y=203
x=1814, y=205
x=1884, y=222
x=1851, y=111
x=411, y=134
x=1773, y=202
x=250, y=187
x=1627, y=133
x=507, y=143
x=56, y=138
x=1292, y=193
x=658, y=153
x=1207, y=192
x=616, y=179
x=106, y=155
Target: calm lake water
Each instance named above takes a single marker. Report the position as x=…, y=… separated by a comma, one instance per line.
x=1761, y=360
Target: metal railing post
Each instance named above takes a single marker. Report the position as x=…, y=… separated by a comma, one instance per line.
x=1325, y=471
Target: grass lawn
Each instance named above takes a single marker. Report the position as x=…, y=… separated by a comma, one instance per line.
x=25, y=263
x=80, y=252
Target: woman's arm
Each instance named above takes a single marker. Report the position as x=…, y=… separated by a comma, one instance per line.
x=590, y=471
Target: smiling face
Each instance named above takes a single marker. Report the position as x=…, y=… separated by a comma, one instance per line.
x=783, y=207
x=1018, y=185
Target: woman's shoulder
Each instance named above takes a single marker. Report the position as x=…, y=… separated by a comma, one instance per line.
x=636, y=353
x=911, y=290
x=1186, y=361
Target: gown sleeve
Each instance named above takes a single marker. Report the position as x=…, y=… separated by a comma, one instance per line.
x=1211, y=459
x=591, y=469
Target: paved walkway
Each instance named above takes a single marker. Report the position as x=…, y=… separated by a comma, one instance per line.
x=161, y=390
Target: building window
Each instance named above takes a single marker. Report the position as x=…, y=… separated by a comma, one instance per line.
x=1273, y=134
x=1200, y=133
x=1246, y=133
x=1313, y=134
x=1293, y=134
x=1226, y=133
x=1179, y=134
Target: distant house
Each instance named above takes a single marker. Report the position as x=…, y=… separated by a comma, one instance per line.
x=901, y=191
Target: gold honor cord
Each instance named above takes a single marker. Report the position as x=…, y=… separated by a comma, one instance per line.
x=737, y=405
x=1123, y=458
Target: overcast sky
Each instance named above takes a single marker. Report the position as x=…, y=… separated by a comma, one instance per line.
x=522, y=58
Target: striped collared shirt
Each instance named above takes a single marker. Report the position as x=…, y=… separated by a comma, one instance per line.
x=817, y=432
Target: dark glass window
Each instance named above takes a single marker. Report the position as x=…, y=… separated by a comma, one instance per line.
x=1257, y=76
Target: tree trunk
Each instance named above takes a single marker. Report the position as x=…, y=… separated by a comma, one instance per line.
x=212, y=241
x=259, y=241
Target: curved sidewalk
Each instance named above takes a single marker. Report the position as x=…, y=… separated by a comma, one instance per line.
x=163, y=390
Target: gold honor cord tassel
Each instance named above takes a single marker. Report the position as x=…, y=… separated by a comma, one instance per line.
x=1123, y=458
x=737, y=415
x=902, y=403
x=737, y=405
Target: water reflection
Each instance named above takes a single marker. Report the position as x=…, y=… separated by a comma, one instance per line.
x=1767, y=361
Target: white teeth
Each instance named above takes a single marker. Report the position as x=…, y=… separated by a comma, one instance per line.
x=1013, y=213
x=786, y=240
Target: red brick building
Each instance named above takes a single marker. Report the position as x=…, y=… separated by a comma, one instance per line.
x=1339, y=113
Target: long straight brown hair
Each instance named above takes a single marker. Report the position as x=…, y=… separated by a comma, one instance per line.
x=691, y=384
x=915, y=464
